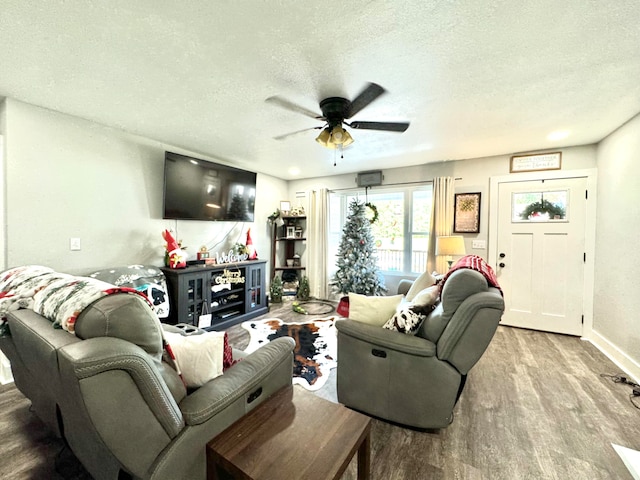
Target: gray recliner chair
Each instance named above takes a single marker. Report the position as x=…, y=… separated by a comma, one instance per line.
x=417, y=380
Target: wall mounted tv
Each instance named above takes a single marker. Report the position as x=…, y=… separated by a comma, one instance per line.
x=196, y=189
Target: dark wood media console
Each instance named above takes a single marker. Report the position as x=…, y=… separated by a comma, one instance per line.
x=231, y=293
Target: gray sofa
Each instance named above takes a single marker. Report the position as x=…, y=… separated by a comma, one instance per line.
x=417, y=380
x=118, y=405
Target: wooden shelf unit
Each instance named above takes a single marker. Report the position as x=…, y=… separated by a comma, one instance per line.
x=284, y=247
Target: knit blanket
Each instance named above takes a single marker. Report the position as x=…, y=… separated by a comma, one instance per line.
x=474, y=262
x=57, y=296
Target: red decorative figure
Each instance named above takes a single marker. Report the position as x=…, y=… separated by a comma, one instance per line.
x=253, y=254
x=177, y=256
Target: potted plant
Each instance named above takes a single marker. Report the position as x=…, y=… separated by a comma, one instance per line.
x=275, y=290
x=304, y=291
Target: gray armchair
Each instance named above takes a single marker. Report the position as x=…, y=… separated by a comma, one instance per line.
x=417, y=380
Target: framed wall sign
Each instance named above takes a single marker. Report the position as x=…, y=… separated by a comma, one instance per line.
x=285, y=207
x=466, y=216
x=540, y=161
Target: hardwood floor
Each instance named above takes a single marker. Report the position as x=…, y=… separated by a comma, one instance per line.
x=534, y=407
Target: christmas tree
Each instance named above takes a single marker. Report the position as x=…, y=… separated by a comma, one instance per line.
x=238, y=208
x=357, y=262
x=304, y=290
x=275, y=290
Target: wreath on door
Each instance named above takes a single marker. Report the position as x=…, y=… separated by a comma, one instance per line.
x=544, y=206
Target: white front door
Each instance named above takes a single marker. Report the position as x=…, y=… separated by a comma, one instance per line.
x=540, y=258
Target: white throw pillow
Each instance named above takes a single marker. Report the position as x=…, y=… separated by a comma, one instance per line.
x=426, y=297
x=423, y=281
x=371, y=309
x=199, y=357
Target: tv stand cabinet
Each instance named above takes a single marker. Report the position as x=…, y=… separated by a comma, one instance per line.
x=231, y=293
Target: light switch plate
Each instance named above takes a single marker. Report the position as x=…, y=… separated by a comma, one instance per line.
x=479, y=244
x=74, y=244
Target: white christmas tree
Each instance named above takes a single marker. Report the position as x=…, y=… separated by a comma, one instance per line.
x=357, y=261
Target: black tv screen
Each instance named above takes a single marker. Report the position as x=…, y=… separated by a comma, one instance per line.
x=196, y=189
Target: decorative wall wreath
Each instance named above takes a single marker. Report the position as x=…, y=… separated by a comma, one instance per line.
x=544, y=206
x=374, y=209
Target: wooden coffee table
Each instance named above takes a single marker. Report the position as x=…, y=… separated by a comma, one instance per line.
x=294, y=434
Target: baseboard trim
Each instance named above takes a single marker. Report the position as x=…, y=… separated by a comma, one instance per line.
x=616, y=355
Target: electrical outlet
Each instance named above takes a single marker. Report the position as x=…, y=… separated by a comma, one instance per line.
x=74, y=244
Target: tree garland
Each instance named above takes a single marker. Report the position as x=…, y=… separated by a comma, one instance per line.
x=374, y=209
x=544, y=206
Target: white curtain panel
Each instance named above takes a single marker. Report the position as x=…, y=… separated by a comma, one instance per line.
x=441, y=221
x=317, y=242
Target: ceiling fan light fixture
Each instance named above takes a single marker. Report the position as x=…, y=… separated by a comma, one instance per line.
x=339, y=136
x=347, y=140
x=335, y=110
x=334, y=137
x=324, y=138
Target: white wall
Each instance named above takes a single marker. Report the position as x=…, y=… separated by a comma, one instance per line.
x=3, y=250
x=68, y=177
x=616, y=322
x=472, y=176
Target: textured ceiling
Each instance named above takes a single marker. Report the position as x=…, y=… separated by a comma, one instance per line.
x=473, y=78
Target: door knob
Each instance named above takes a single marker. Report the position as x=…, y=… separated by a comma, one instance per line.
x=501, y=265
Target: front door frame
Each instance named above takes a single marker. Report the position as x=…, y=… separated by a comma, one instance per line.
x=591, y=174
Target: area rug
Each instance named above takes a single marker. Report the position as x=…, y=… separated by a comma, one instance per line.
x=316, y=350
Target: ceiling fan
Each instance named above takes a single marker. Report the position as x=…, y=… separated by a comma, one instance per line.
x=335, y=112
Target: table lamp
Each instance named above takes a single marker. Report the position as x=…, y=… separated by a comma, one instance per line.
x=451, y=245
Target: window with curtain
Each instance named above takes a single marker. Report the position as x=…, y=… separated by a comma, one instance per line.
x=401, y=231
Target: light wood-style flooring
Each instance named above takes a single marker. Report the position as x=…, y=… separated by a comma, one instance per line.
x=534, y=407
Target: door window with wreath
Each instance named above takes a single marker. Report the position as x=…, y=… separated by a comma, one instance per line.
x=540, y=206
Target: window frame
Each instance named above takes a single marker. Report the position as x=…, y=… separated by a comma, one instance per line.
x=408, y=233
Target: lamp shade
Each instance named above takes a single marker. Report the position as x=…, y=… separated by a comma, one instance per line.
x=334, y=137
x=450, y=245
x=339, y=136
x=324, y=138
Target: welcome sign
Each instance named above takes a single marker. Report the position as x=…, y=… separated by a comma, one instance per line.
x=230, y=257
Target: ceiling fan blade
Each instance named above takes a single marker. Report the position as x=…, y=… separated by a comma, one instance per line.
x=368, y=95
x=282, y=137
x=281, y=102
x=386, y=126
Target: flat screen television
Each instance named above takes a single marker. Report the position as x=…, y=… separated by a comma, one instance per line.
x=196, y=189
